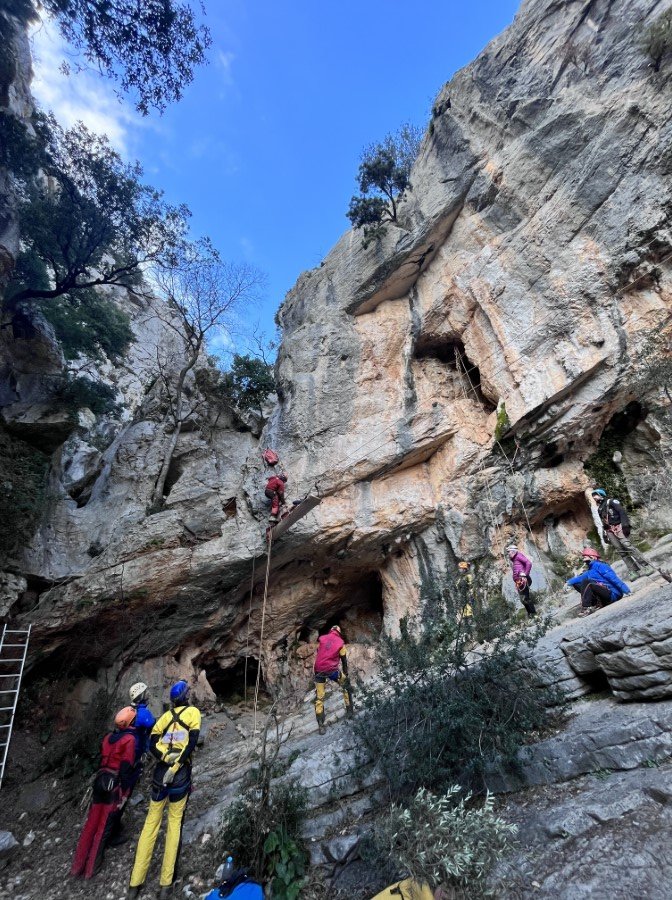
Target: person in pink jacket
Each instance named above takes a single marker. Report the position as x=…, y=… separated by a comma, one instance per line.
x=521, y=567
x=331, y=664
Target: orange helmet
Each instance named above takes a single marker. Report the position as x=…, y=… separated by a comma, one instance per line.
x=125, y=717
x=463, y=566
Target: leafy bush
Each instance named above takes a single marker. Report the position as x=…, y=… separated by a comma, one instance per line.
x=449, y=712
x=88, y=324
x=440, y=840
x=23, y=487
x=657, y=41
x=244, y=386
x=79, y=392
x=262, y=827
x=262, y=831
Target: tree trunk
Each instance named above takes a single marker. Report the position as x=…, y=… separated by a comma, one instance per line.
x=157, y=496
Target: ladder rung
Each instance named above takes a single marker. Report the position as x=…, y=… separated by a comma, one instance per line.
x=13, y=645
x=5, y=708
x=21, y=631
x=5, y=726
x=13, y=691
x=11, y=660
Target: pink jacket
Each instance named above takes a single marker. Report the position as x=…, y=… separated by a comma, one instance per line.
x=329, y=652
x=520, y=565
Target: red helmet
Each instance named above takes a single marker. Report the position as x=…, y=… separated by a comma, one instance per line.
x=589, y=553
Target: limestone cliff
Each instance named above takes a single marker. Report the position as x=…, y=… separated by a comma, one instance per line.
x=442, y=390
x=516, y=301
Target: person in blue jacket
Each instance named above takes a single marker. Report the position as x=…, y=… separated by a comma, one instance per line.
x=599, y=585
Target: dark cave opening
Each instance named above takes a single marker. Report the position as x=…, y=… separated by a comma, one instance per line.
x=175, y=472
x=359, y=612
x=228, y=683
x=597, y=681
x=451, y=353
x=624, y=422
x=551, y=457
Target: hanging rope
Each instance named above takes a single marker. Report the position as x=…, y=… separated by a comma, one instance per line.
x=261, y=633
x=249, y=618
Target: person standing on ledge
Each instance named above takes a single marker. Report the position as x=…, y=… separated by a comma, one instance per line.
x=331, y=664
x=616, y=527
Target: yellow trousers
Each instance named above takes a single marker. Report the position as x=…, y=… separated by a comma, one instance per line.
x=150, y=832
x=321, y=689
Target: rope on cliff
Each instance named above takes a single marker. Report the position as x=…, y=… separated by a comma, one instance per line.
x=261, y=632
x=249, y=618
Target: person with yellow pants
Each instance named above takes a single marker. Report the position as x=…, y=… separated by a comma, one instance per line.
x=331, y=664
x=172, y=741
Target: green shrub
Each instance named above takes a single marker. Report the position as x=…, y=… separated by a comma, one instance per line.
x=245, y=385
x=503, y=421
x=261, y=829
x=440, y=840
x=602, y=469
x=87, y=323
x=79, y=392
x=448, y=712
x=23, y=491
x=657, y=41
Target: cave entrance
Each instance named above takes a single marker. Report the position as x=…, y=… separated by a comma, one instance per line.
x=601, y=467
x=451, y=353
x=359, y=613
x=228, y=683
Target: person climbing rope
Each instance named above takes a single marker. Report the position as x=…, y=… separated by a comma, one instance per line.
x=331, y=664
x=617, y=528
x=599, y=585
x=275, y=491
x=521, y=567
x=172, y=742
x=111, y=789
x=465, y=585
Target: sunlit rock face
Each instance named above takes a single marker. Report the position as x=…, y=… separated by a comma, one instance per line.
x=441, y=389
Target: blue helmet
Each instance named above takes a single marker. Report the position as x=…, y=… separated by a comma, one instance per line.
x=179, y=691
x=599, y=492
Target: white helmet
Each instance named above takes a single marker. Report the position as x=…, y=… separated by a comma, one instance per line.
x=512, y=548
x=136, y=691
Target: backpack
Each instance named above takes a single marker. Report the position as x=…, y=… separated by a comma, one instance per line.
x=238, y=887
x=270, y=457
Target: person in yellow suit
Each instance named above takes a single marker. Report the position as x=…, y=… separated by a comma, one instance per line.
x=172, y=741
x=408, y=889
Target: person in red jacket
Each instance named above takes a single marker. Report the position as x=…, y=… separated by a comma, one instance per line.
x=275, y=491
x=331, y=664
x=111, y=788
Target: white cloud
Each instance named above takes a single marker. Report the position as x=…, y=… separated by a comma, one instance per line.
x=82, y=96
x=224, y=62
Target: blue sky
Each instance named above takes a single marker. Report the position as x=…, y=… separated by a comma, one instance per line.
x=265, y=145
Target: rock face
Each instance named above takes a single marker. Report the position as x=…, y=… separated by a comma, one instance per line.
x=516, y=300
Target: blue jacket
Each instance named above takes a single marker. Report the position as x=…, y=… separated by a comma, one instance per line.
x=601, y=571
x=144, y=722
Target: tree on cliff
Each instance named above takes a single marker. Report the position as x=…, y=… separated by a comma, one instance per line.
x=205, y=297
x=149, y=47
x=383, y=177
x=86, y=221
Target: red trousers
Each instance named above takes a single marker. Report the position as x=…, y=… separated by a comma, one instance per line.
x=96, y=832
x=275, y=499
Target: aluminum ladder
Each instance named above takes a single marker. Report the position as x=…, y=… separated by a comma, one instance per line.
x=13, y=653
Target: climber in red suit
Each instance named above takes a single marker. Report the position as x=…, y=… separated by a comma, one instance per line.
x=111, y=788
x=275, y=491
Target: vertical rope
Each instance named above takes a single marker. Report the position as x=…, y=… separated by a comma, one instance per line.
x=261, y=633
x=249, y=618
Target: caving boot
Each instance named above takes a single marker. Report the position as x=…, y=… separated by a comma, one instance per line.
x=134, y=892
x=166, y=892
x=320, y=723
